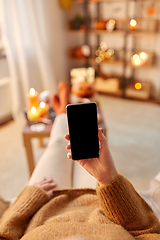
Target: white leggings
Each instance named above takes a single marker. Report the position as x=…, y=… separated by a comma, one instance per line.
x=54, y=162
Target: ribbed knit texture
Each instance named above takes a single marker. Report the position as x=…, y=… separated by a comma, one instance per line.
x=114, y=211
x=15, y=219
x=123, y=206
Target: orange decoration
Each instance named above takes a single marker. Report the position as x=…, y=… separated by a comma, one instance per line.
x=122, y=20
x=83, y=27
x=83, y=89
x=151, y=11
x=77, y=53
x=100, y=24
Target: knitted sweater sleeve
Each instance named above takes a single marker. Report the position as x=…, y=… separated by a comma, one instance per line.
x=16, y=218
x=124, y=206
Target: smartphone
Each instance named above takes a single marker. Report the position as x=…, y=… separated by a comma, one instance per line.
x=83, y=130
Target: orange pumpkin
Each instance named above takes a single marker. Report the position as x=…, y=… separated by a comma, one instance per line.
x=83, y=89
x=77, y=53
x=100, y=24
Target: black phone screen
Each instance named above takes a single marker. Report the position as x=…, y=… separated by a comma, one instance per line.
x=83, y=130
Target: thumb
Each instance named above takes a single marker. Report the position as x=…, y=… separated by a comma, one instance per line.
x=50, y=193
x=101, y=137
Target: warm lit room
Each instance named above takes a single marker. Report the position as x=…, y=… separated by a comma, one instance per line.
x=105, y=52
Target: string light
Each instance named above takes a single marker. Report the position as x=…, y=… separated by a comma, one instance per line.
x=110, y=25
x=135, y=57
x=98, y=60
x=143, y=55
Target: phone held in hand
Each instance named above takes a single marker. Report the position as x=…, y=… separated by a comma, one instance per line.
x=83, y=130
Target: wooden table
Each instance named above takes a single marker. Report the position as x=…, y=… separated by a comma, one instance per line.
x=28, y=134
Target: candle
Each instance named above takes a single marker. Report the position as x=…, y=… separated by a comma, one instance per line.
x=33, y=98
x=33, y=114
x=43, y=108
x=138, y=86
x=111, y=25
x=133, y=24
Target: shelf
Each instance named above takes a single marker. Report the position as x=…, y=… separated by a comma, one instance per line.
x=95, y=1
x=118, y=63
x=104, y=32
x=101, y=32
x=92, y=61
x=146, y=66
x=141, y=33
x=97, y=32
x=146, y=28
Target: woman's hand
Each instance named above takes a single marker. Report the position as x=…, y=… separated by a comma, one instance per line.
x=47, y=185
x=102, y=168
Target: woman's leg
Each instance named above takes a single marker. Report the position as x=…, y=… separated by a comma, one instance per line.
x=54, y=162
x=81, y=178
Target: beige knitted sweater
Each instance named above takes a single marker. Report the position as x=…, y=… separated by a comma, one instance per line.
x=115, y=211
